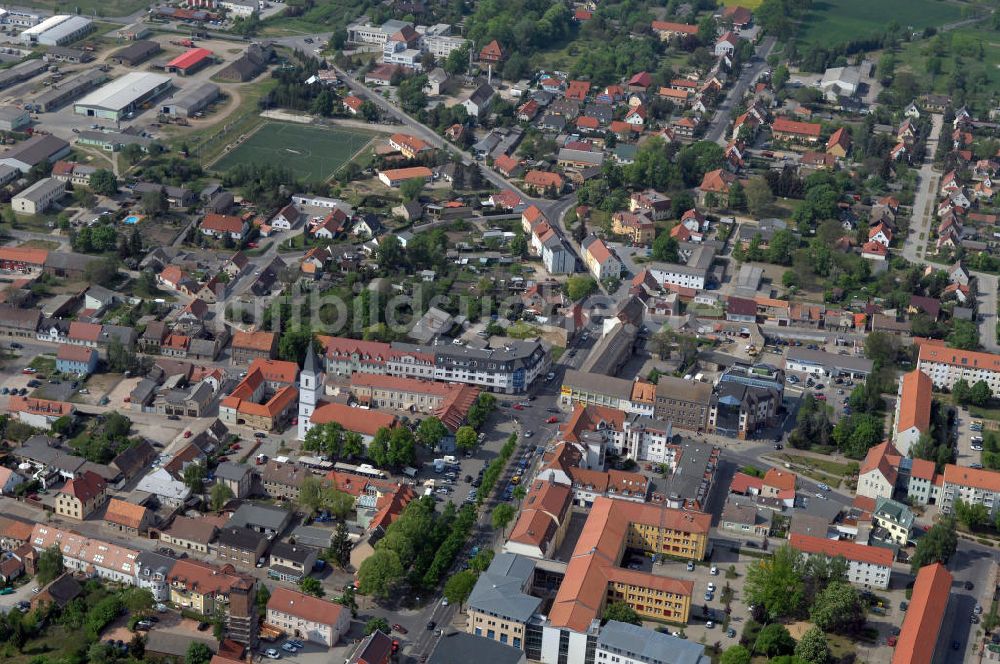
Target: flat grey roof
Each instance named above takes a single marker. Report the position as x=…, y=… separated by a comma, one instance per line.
x=592, y=382
x=462, y=648
x=647, y=645
x=822, y=358
x=42, y=189
x=121, y=92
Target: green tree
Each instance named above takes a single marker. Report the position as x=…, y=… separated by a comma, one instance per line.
x=132, y=153
x=194, y=476
x=736, y=655
x=737, y=197
x=971, y=515
x=294, y=344
x=774, y=640
x=104, y=182
x=412, y=188
x=457, y=61
x=502, y=515
x=776, y=583
x=759, y=196
x=220, y=495
x=138, y=601
x=311, y=494
x=154, y=203
x=465, y=438
x=813, y=647
x=326, y=438
x=379, y=573
x=937, y=545
x=580, y=286
x=964, y=335
x=340, y=546
x=263, y=595
x=665, y=248
x=961, y=392
x=377, y=625
x=838, y=608
x=459, y=586
x=431, y=431
x=197, y=653
x=980, y=394
x=348, y=599
x=50, y=564
x=311, y=586
x=621, y=612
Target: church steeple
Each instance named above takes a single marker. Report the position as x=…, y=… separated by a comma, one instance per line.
x=310, y=384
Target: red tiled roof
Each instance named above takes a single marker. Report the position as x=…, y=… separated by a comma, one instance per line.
x=26, y=255
x=922, y=623
x=84, y=331
x=260, y=341
x=915, y=402
x=977, y=478
x=359, y=420
x=125, y=514
x=961, y=358
x=850, y=550
x=306, y=607
x=86, y=487
x=786, y=126
x=73, y=353
x=779, y=479
x=667, y=26
x=222, y=223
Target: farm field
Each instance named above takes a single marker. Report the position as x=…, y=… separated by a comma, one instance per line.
x=749, y=4
x=837, y=21
x=311, y=153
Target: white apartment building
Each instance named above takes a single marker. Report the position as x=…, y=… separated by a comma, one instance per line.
x=946, y=366
x=307, y=617
x=970, y=485
x=679, y=275
x=868, y=566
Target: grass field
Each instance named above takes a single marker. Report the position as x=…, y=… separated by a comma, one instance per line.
x=310, y=152
x=749, y=4
x=836, y=21
x=88, y=8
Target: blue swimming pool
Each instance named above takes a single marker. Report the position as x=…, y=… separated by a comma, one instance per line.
x=132, y=219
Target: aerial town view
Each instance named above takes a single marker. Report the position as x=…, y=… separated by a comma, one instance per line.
x=500, y=331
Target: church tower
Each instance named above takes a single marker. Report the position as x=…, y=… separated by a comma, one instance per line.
x=310, y=384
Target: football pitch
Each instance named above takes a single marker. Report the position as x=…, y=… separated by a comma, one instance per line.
x=311, y=153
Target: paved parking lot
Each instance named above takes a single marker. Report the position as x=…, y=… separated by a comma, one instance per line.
x=966, y=455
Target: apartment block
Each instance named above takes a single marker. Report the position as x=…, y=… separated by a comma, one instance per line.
x=868, y=566
x=946, y=366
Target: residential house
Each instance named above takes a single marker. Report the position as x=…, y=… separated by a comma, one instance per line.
x=222, y=225
x=77, y=360
x=127, y=518
x=81, y=496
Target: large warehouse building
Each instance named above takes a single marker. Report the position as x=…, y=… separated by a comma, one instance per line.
x=57, y=30
x=119, y=98
x=190, y=100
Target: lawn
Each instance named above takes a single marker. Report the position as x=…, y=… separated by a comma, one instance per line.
x=311, y=153
x=749, y=4
x=45, y=364
x=836, y=21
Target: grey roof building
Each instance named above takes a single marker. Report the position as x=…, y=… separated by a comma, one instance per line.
x=34, y=151
x=191, y=99
x=625, y=642
x=462, y=648
x=262, y=518
x=803, y=359
x=499, y=591
x=321, y=538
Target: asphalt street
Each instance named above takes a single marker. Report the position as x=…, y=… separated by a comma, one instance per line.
x=720, y=123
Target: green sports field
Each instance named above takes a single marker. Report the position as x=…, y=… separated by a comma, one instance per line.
x=312, y=153
x=837, y=21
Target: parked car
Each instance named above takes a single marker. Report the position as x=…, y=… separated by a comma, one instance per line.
x=271, y=653
x=399, y=628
